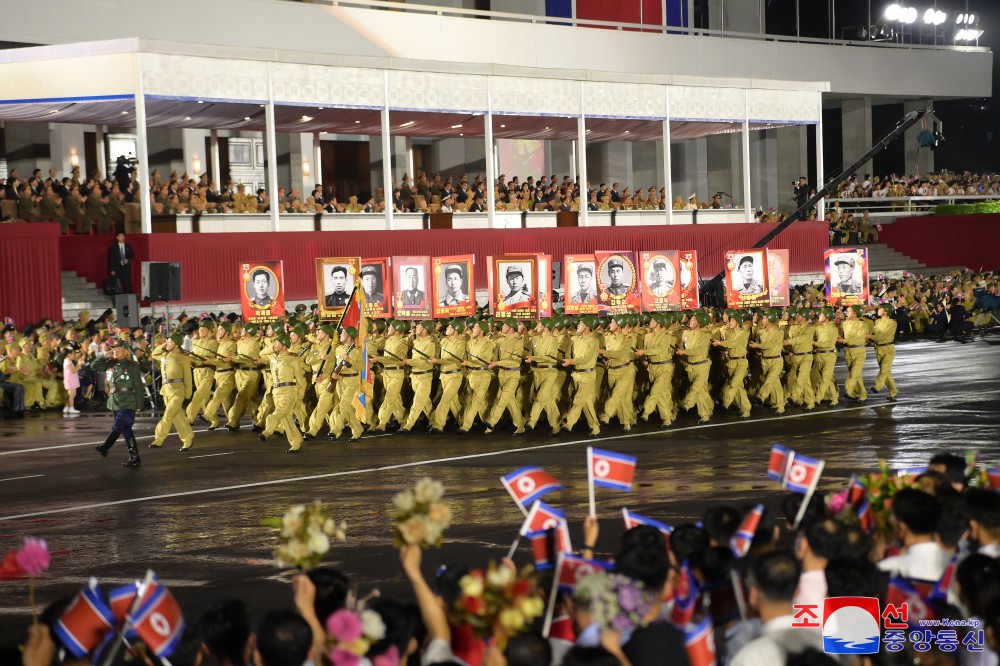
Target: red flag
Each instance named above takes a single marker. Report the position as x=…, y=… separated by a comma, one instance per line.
x=777, y=463
x=562, y=628
x=121, y=599
x=571, y=569
x=541, y=517
x=527, y=484
x=803, y=473
x=610, y=469
x=159, y=622
x=543, y=547
x=740, y=543
x=901, y=591
x=85, y=623
x=700, y=642
x=685, y=596
x=865, y=516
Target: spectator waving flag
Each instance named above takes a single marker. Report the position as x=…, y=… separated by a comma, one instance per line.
x=632, y=519
x=528, y=484
x=940, y=590
x=571, y=569
x=86, y=622
x=159, y=622
x=685, y=596
x=541, y=517
x=609, y=470
x=740, y=543
x=699, y=639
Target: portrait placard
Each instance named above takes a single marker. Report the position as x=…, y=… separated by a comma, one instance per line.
x=617, y=283
x=376, y=283
x=777, y=277
x=660, y=287
x=581, y=284
x=262, y=292
x=335, y=280
x=846, y=276
x=687, y=263
x=412, y=290
x=454, y=286
x=746, y=279
x=515, y=280
x=544, y=285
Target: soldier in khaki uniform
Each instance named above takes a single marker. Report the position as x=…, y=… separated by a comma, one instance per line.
x=884, y=338
x=204, y=372
x=323, y=366
x=544, y=356
x=266, y=354
x=175, y=375
x=694, y=346
x=289, y=384
x=735, y=339
x=771, y=341
x=247, y=376
x=450, y=371
x=583, y=359
x=855, y=335
x=658, y=355
x=225, y=375
x=421, y=374
x=39, y=391
x=825, y=358
x=510, y=348
x=347, y=374
x=480, y=352
x=800, y=343
x=396, y=349
x=619, y=351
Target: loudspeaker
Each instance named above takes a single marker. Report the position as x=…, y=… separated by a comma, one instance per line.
x=127, y=310
x=161, y=281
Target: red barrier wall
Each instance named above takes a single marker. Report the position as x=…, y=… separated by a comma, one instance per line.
x=948, y=240
x=210, y=271
x=30, y=289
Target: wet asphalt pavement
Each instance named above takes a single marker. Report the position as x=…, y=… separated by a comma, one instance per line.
x=195, y=518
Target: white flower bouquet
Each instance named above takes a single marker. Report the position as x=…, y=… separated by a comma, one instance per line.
x=306, y=534
x=421, y=517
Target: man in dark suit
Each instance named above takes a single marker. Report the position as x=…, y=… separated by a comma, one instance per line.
x=120, y=257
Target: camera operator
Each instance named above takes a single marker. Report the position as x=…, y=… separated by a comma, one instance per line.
x=801, y=195
x=123, y=171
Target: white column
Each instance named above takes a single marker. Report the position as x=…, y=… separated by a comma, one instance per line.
x=820, y=176
x=668, y=176
x=216, y=166
x=747, y=203
x=387, y=157
x=142, y=149
x=491, y=174
x=572, y=160
x=581, y=141
x=102, y=150
x=317, y=162
x=271, y=148
x=409, y=161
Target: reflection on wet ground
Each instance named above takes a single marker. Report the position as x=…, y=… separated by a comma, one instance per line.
x=195, y=520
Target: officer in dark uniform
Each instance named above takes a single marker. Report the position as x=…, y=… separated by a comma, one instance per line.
x=340, y=296
x=125, y=395
x=616, y=267
x=369, y=282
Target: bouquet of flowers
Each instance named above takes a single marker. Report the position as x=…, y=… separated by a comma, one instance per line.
x=306, y=531
x=499, y=602
x=882, y=486
x=616, y=601
x=421, y=517
x=351, y=636
x=29, y=562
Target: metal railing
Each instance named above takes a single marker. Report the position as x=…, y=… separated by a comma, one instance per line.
x=615, y=25
x=902, y=206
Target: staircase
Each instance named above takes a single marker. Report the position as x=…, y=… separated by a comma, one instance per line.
x=883, y=260
x=79, y=295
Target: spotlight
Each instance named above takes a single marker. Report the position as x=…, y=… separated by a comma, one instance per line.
x=939, y=17
x=892, y=12
x=970, y=19
x=929, y=16
x=960, y=18
x=908, y=15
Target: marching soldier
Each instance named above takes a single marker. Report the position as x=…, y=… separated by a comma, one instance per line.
x=266, y=355
x=771, y=340
x=583, y=360
x=855, y=334
x=510, y=354
x=825, y=358
x=225, y=377
x=176, y=386
x=694, y=346
x=884, y=337
x=347, y=375
x=619, y=350
x=450, y=371
x=125, y=393
x=544, y=356
x=658, y=356
x=288, y=382
x=735, y=339
x=204, y=373
x=800, y=344
x=327, y=396
x=247, y=376
x=480, y=352
x=395, y=351
x=421, y=374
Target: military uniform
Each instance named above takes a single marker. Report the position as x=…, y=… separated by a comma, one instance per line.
x=770, y=344
x=451, y=375
x=735, y=342
x=421, y=379
x=621, y=378
x=659, y=357
x=583, y=360
x=799, y=380
x=125, y=396
x=247, y=379
x=225, y=382
x=204, y=373
x=288, y=382
x=344, y=413
x=175, y=375
x=393, y=377
x=855, y=352
x=696, y=343
x=824, y=361
x=509, y=350
x=884, y=336
x=481, y=352
x=545, y=375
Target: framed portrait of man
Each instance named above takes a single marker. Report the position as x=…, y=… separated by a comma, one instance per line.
x=846, y=276
x=454, y=286
x=513, y=284
x=262, y=295
x=581, y=284
x=687, y=269
x=544, y=285
x=335, y=282
x=777, y=277
x=617, y=282
x=746, y=279
x=412, y=289
x=660, y=287
x=376, y=287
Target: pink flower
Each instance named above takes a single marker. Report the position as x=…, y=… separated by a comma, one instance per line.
x=34, y=558
x=344, y=626
x=388, y=658
x=342, y=657
x=837, y=502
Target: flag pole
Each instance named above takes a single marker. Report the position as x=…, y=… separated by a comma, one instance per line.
x=514, y=497
x=550, y=607
x=120, y=635
x=513, y=547
x=590, y=480
x=809, y=494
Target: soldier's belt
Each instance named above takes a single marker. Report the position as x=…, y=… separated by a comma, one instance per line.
x=825, y=351
x=124, y=390
x=348, y=374
x=583, y=370
x=392, y=367
x=771, y=358
x=661, y=362
x=480, y=368
x=801, y=353
x=449, y=372
x=853, y=346
x=736, y=358
x=421, y=372
x=218, y=372
x=517, y=369
x=884, y=344
x=282, y=384
x=699, y=362
x=547, y=367
x=173, y=381
x=619, y=367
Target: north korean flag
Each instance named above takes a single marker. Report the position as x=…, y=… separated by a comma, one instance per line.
x=699, y=639
x=632, y=519
x=541, y=517
x=547, y=544
x=994, y=477
x=571, y=569
x=740, y=543
x=777, y=463
x=562, y=628
x=85, y=623
x=528, y=484
x=940, y=590
x=685, y=596
x=865, y=516
x=802, y=474
x=611, y=470
x=120, y=600
x=856, y=493
x=900, y=591
x=159, y=622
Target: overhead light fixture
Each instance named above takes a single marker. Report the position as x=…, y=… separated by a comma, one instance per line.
x=908, y=15
x=196, y=164
x=305, y=168
x=456, y=127
x=74, y=159
x=968, y=35
x=246, y=118
x=460, y=134
x=320, y=108
x=357, y=122
x=626, y=131
x=124, y=113
x=939, y=17
x=408, y=124
x=187, y=117
x=202, y=102
x=503, y=126
x=306, y=119
x=892, y=12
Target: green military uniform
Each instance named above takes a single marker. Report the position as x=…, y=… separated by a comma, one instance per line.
x=824, y=361
x=510, y=349
x=734, y=341
x=125, y=396
x=175, y=375
x=545, y=374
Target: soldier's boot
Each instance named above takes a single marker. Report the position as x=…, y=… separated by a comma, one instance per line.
x=133, y=453
x=106, y=446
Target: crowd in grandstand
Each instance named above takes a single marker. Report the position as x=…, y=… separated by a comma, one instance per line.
x=943, y=184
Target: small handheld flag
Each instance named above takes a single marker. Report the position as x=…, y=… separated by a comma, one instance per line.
x=527, y=484
x=699, y=640
x=632, y=519
x=85, y=623
x=159, y=622
x=740, y=543
x=612, y=470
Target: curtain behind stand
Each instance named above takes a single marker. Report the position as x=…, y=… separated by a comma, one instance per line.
x=30, y=287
